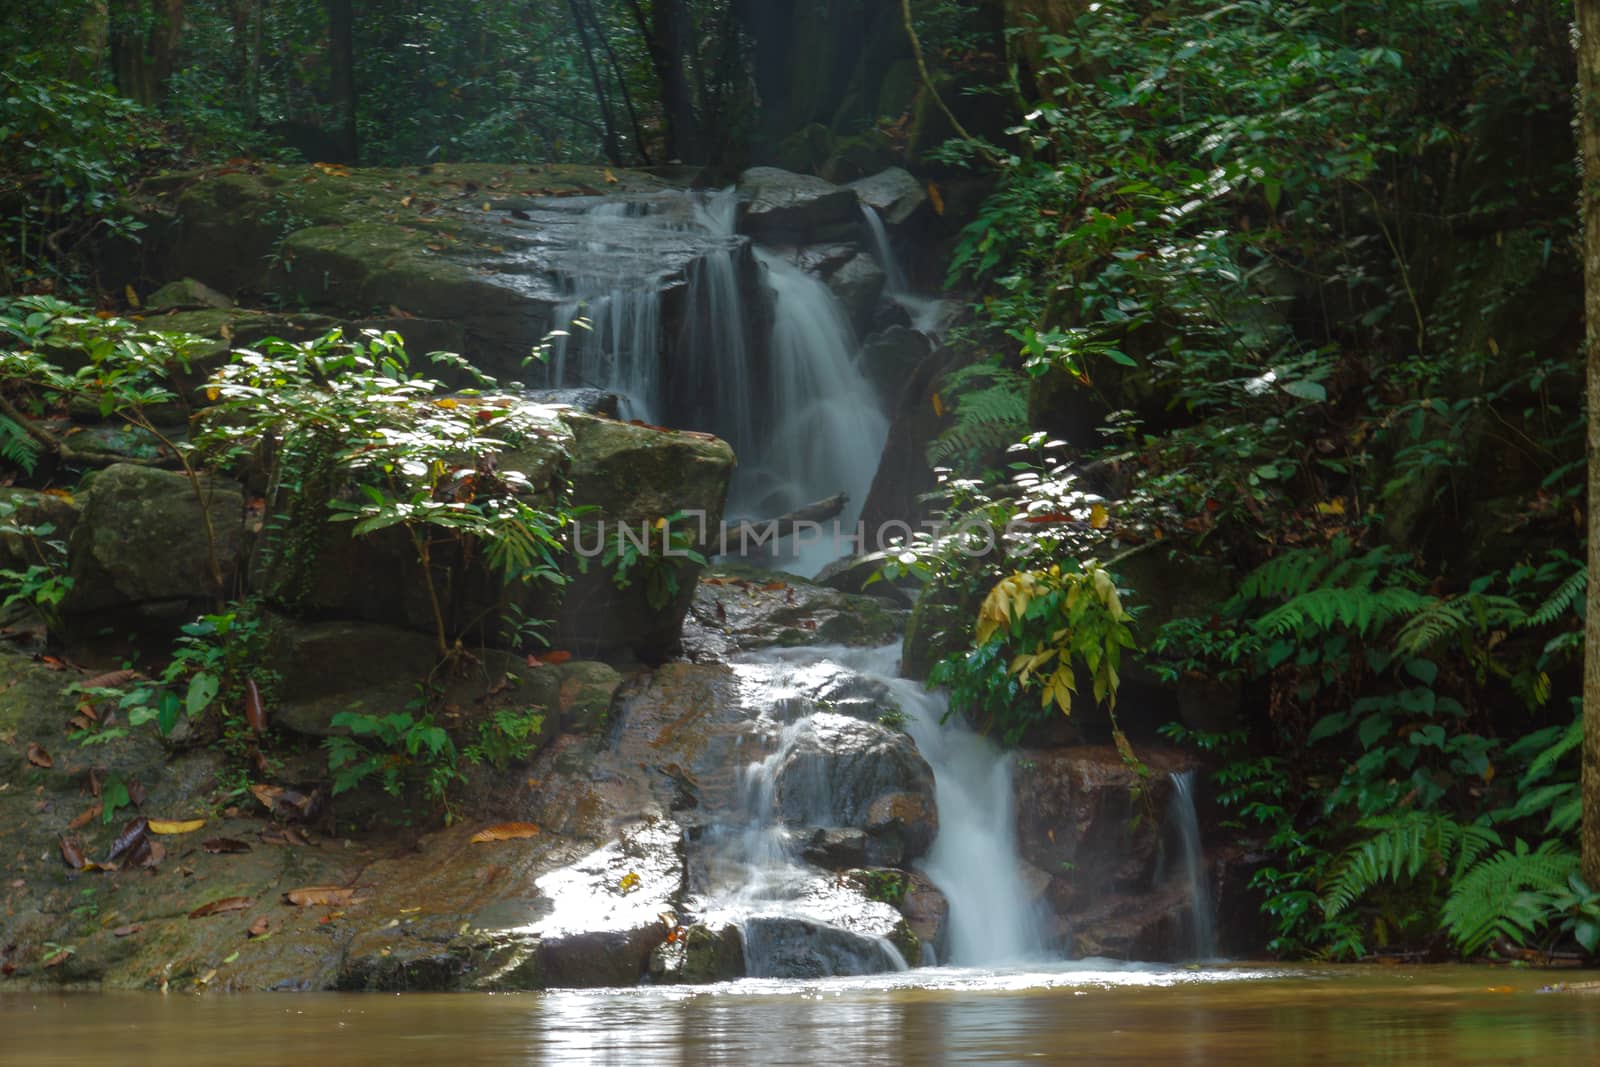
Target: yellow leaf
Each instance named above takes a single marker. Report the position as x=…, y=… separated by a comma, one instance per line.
x=447, y=403
x=629, y=882
x=611, y=179
x=506, y=831
x=1098, y=516
x=212, y=392
x=1331, y=507
x=175, y=826
x=938, y=406
x=936, y=198
x=133, y=297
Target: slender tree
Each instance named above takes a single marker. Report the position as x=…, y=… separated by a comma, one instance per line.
x=667, y=39
x=342, y=75
x=144, y=46
x=1588, y=18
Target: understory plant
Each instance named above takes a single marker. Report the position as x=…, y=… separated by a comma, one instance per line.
x=340, y=429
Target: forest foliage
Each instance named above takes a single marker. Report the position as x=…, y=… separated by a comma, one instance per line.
x=1285, y=290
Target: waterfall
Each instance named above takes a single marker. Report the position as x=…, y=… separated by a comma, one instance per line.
x=974, y=860
x=826, y=431
x=1187, y=824
x=803, y=420
x=754, y=865
x=883, y=252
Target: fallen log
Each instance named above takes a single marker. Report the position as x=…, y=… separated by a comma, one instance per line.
x=758, y=533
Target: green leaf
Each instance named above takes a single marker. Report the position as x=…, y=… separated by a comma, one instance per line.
x=167, y=711
x=1423, y=670
x=1306, y=390
x=203, y=689
x=1372, y=728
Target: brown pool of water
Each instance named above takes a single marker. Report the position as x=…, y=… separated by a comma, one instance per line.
x=1071, y=1013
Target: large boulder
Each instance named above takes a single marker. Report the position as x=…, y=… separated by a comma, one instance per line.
x=894, y=193
x=857, y=284
x=782, y=205
x=737, y=608
x=838, y=771
x=633, y=477
x=151, y=549
x=594, y=922
x=1098, y=832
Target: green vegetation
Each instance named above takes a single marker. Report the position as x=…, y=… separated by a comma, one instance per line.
x=334, y=429
x=1278, y=259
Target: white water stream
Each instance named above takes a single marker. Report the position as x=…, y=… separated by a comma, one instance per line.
x=756, y=865
x=801, y=417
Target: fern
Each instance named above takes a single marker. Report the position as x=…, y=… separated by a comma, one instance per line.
x=1437, y=618
x=1507, y=895
x=17, y=447
x=1565, y=596
x=1359, y=608
x=1397, y=851
x=986, y=418
x=1545, y=762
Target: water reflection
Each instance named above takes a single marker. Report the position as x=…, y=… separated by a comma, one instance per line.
x=1463, y=1017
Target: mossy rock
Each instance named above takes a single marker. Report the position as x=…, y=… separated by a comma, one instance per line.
x=144, y=543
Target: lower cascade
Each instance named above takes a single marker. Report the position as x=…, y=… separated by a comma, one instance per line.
x=846, y=750
x=1186, y=821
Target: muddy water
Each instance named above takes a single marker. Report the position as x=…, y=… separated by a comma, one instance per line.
x=1361, y=1017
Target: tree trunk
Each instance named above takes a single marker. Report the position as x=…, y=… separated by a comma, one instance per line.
x=639, y=143
x=1588, y=18
x=666, y=38
x=94, y=40
x=342, y=75
x=612, y=149
x=144, y=46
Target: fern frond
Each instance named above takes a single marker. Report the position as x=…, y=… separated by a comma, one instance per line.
x=985, y=419
x=1356, y=607
x=1396, y=852
x=1507, y=894
x=1546, y=760
x=1556, y=604
x=17, y=447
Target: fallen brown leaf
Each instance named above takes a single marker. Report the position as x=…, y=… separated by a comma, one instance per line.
x=58, y=957
x=38, y=756
x=85, y=817
x=134, y=834
x=260, y=927
x=110, y=680
x=71, y=852
x=128, y=931
x=217, y=907
x=255, y=712
x=319, y=895
x=506, y=831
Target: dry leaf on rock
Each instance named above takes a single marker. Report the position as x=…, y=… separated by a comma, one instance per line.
x=506, y=831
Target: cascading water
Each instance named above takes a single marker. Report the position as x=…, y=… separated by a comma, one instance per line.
x=1186, y=821
x=827, y=432
x=802, y=418
x=754, y=870
x=883, y=251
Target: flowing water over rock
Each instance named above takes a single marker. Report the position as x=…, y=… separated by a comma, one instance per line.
x=1186, y=822
x=847, y=778
x=658, y=308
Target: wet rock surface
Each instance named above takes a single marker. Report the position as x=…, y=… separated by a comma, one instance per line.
x=739, y=608
x=1098, y=835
